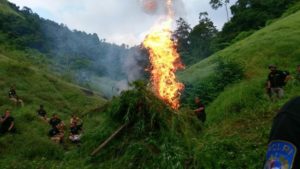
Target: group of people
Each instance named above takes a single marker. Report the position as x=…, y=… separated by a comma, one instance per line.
x=57, y=131
x=7, y=123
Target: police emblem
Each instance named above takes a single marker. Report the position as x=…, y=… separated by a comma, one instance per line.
x=280, y=155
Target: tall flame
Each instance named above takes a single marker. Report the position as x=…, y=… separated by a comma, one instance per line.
x=165, y=60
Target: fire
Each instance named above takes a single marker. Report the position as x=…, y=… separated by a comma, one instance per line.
x=165, y=60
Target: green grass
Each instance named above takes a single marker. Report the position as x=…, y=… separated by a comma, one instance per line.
x=31, y=147
x=240, y=118
x=234, y=137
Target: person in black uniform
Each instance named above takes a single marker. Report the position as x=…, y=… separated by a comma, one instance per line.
x=57, y=131
x=284, y=141
x=200, y=110
x=276, y=81
x=42, y=113
x=54, y=121
x=7, y=123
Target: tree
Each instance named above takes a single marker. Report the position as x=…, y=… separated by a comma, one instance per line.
x=248, y=16
x=216, y=4
x=181, y=34
x=202, y=36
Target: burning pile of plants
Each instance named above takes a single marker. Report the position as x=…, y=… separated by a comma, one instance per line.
x=152, y=134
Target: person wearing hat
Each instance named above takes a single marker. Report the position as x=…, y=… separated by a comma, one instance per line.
x=277, y=79
x=284, y=140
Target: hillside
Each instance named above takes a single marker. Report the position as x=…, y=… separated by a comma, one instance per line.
x=240, y=117
x=234, y=137
x=78, y=55
x=35, y=86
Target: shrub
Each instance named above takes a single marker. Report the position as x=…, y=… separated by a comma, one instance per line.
x=226, y=73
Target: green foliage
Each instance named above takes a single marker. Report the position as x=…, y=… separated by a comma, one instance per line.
x=202, y=36
x=250, y=15
x=83, y=54
x=226, y=72
x=293, y=9
x=240, y=117
x=215, y=4
x=30, y=147
x=181, y=34
x=197, y=43
x=235, y=135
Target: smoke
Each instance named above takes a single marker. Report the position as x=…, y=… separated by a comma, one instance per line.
x=158, y=7
x=99, y=65
x=149, y=6
x=126, y=65
x=122, y=66
x=179, y=9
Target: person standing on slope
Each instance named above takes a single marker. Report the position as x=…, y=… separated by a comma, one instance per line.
x=277, y=79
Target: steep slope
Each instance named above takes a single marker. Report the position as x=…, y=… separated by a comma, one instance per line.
x=235, y=135
x=239, y=119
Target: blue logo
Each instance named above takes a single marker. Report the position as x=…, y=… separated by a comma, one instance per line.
x=280, y=155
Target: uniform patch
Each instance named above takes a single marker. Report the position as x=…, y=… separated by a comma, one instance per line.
x=280, y=155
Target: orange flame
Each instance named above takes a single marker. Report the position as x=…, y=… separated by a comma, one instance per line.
x=165, y=60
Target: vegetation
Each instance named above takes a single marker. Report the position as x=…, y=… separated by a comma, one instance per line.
x=225, y=73
x=79, y=55
x=250, y=15
x=240, y=117
x=231, y=83
x=204, y=39
x=30, y=147
x=197, y=43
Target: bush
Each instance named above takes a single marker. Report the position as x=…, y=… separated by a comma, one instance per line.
x=226, y=73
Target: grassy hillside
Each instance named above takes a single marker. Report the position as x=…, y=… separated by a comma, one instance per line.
x=31, y=147
x=239, y=119
x=234, y=137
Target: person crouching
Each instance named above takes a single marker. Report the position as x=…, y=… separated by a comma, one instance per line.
x=75, y=133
